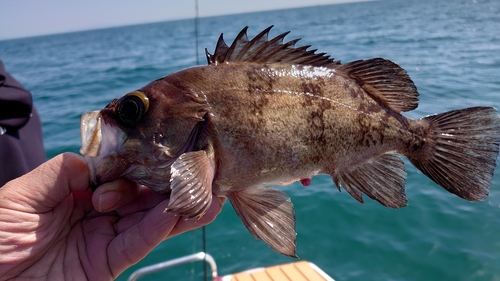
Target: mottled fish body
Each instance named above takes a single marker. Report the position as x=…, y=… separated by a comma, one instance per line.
x=263, y=113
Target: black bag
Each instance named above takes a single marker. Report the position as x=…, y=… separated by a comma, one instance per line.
x=21, y=142
x=15, y=102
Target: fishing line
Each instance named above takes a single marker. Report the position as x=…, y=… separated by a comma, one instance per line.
x=196, y=30
x=203, y=230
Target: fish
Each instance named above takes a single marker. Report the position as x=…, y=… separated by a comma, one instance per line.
x=264, y=113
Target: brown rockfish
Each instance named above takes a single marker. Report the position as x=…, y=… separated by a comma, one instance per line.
x=264, y=112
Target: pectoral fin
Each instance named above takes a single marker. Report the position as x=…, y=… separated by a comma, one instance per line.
x=191, y=183
x=268, y=214
x=382, y=178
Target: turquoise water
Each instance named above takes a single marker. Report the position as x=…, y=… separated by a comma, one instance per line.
x=451, y=49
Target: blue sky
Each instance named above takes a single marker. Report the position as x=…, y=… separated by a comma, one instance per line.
x=24, y=18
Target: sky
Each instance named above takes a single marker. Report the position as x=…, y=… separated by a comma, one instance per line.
x=25, y=18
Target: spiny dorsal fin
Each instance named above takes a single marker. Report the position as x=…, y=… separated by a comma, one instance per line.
x=261, y=49
x=386, y=81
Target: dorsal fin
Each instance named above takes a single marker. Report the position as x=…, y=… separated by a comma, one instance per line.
x=385, y=81
x=261, y=49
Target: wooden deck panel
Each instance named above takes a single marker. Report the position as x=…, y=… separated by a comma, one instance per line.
x=242, y=277
x=308, y=271
x=292, y=272
x=276, y=273
x=296, y=271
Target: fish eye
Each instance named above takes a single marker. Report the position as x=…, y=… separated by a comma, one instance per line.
x=132, y=107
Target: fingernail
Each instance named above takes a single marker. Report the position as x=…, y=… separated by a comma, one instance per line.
x=109, y=200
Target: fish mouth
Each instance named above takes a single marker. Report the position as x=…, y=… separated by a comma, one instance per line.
x=90, y=128
x=100, y=144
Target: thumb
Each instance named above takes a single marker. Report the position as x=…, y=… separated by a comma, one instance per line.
x=50, y=183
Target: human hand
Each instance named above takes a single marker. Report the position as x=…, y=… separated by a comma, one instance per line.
x=50, y=228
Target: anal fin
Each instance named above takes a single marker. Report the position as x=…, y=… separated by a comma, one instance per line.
x=268, y=214
x=382, y=178
x=191, y=183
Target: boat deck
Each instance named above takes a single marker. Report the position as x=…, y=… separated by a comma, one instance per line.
x=296, y=271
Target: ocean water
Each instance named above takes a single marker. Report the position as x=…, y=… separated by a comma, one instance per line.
x=451, y=49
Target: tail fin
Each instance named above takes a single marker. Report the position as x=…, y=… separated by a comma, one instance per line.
x=460, y=151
